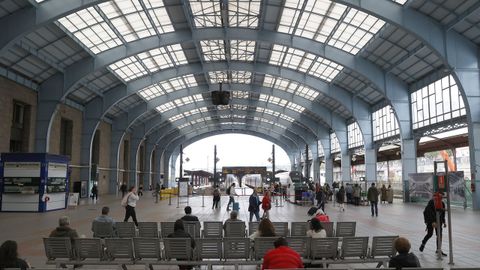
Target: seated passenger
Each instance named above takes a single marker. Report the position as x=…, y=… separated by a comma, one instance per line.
x=104, y=218
x=179, y=232
x=188, y=215
x=64, y=230
x=265, y=229
x=316, y=229
x=404, y=258
x=9, y=256
x=282, y=257
x=233, y=218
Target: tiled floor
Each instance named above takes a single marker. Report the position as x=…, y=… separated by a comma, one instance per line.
x=394, y=219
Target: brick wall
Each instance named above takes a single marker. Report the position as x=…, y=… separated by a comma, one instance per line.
x=10, y=91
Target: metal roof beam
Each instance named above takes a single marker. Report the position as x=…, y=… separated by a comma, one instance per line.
x=461, y=17
x=19, y=24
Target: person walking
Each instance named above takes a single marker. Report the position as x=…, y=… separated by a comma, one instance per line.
x=94, y=192
x=231, y=193
x=372, y=196
x=254, y=206
x=157, y=192
x=130, y=202
x=266, y=204
x=321, y=197
x=383, y=194
x=216, y=198
x=430, y=218
x=357, y=190
x=341, y=198
x=123, y=189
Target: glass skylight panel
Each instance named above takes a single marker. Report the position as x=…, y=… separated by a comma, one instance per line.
x=242, y=50
x=206, y=13
x=163, y=57
x=384, y=123
x=128, y=69
x=437, y=102
x=151, y=92
x=239, y=107
x=272, y=112
x=289, y=86
x=175, y=118
x=213, y=50
x=355, y=31
x=240, y=94
x=241, y=77
x=167, y=86
x=355, y=137
x=243, y=13
x=287, y=118
x=178, y=83
x=159, y=15
x=320, y=18
x=129, y=18
x=295, y=107
x=91, y=30
x=165, y=107
x=39, y=1
x=182, y=126
x=325, y=69
x=291, y=58
x=401, y=2
x=306, y=92
x=217, y=76
x=334, y=143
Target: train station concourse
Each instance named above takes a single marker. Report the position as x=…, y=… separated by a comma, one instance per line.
x=99, y=100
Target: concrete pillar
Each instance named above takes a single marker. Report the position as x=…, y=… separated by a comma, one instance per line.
x=329, y=169
x=409, y=164
x=371, y=165
x=346, y=167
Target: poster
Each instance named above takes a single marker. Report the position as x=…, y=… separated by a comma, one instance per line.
x=420, y=186
x=183, y=188
x=457, y=186
x=73, y=199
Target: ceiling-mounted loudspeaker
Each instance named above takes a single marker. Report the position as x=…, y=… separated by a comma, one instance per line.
x=220, y=97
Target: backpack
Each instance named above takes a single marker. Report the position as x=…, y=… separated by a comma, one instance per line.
x=266, y=205
x=124, y=202
x=228, y=190
x=216, y=193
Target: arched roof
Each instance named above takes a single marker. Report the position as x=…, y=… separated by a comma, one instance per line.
x=338, y=60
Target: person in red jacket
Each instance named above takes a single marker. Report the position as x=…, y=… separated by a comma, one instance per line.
x=282, y=257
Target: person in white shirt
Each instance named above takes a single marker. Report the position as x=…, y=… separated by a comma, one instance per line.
x=316, y=229
x=131, y=200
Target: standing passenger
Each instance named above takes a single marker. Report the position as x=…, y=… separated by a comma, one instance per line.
x=372, y=196
x=231, y=194
x=341, y=198
x=266, y=204
x=253, y=205
x=383, y=194
x=131, y=202
x=216, y=198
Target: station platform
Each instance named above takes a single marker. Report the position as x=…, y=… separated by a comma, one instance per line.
x=398, y=218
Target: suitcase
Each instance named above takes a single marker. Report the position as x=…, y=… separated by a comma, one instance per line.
x=236, y=206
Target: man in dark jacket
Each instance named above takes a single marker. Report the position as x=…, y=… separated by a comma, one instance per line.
x=64, y=230
x=404, y=258
x=253, y=206
x=372, y=196
x=430, y=218
x=179, y=232
x=188, y=215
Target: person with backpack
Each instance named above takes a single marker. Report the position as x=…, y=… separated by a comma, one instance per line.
x=266, y=205
x=430, y=218
x=341, y=198
x=231, y=194
x=216, y=197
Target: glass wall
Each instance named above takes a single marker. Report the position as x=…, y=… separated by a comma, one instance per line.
x=355, y=138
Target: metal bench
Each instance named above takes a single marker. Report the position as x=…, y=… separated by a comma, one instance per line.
x=382, y=247
x=354, y=247
x=120, y=249
x=58, y=250
x=234, y=229
x=345, y=229
x=281, y=228
x=166, y=228
x=299, y=228
x=301, y=244
x=193, y=228
x=212, y=229
x=125, y=229
x=261, y=246
x=252, y=227
x=103, y=229
x=328, y=227
x=148, y=229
